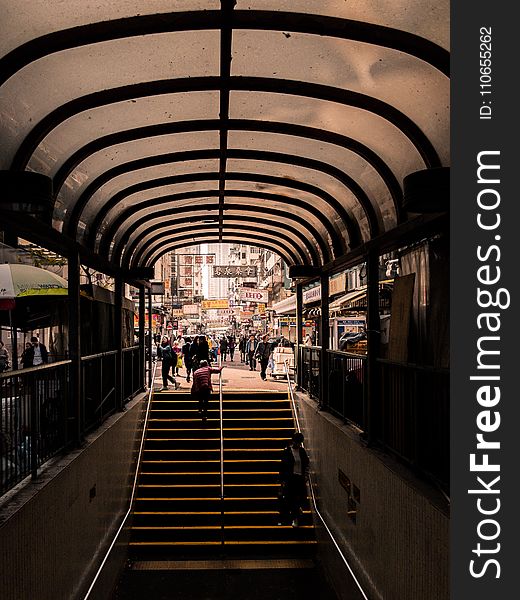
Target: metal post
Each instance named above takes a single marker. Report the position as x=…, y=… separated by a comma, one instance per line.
x=299, y=333
x=142, y=313
x=325, y=340
x=75, y=395
x=150, y=382
x=373, y=339
x=118, y=330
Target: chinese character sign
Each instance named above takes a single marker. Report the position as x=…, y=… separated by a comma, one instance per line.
x=234, y=271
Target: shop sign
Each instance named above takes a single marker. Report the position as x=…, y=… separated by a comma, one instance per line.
x=234, y=271
x=254, y=295
x=312, y=295
x=222, y=303
x=190, y=309
x=338, y=285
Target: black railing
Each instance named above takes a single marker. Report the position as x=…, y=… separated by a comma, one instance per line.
x=98, y=388
x=309, y=372
x=414, y=416
x=34, y=420
x=347, y=377
x=409, y=410
x=39, y=414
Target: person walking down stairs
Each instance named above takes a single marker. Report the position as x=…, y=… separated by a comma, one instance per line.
x=168, y=359
x=294, y=469
x=201, y=388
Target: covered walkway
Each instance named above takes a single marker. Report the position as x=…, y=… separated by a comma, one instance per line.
x=316, y=130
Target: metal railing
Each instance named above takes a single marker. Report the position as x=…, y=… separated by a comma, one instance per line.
x=414, y=416
x=98, y=388
x=132, y=372
x=309, y=371
x=311, y=488
x=34, y=419
x=347, y=389
x=221, y=420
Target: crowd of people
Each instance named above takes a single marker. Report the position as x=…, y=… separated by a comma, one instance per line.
x=188, y=352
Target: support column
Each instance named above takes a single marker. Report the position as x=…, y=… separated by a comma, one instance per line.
x=150, y=381
x=118, y=332
x=142, y=353
x=74, y=409
x=299, y=332
x=371, y=404
x=325, y=341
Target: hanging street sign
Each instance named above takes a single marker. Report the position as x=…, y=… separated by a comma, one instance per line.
x=234, y=271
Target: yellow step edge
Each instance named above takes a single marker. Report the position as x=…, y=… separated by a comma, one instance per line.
x=204, y=527
x=216, y=512
x=226, y=543
x=207, y=485
x=208, y=498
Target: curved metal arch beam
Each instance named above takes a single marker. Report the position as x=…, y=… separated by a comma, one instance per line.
x=138, y=246
x=304, y=224
x=209, y=229
x=251, y=84
x=226, y=239
x=352, y=226
x=114, y=29
x=337, y=241
x=138, y=133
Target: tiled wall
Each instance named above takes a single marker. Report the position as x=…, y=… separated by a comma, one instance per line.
x=393, y=528
x=53, y=537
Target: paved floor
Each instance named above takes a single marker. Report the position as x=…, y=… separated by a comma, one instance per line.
x=235, y=376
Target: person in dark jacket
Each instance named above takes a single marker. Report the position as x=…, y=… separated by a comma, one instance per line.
x=36, y=355
x=294, y=469
x=167, y=356
x=186, y=353
x=231, y=346
x=203, y=349
x=263, y=352
x=223, y=347
x=251, y=346
x=201, y=388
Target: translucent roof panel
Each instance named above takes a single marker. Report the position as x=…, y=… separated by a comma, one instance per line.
x=126, y=62
x=412, y=86
x=328, y=106
x=306, y=176
x=29, y=19
x=159, y=150
x=422, y=17
x=370, y=129
x=119, y=184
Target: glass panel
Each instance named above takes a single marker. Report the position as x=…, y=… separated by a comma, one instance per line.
x=427, y=18
x=412, y=86
x=119, y=154
x=343, y=159
x=64, y=76
x=124, y=181
x=317, y=178
x=310, y=199
x=373, y=131
x=28, y=19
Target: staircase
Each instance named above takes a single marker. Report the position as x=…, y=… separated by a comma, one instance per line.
x=178, y=510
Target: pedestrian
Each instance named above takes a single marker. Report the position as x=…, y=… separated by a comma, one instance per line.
x=26, y=358
x=231, y=346
x=242, y=348
x=263, y=351
x=223, y=347
x=4, y=357
x=308, y=340
x=202, y=387
x=294, y=469
x=251, y=346
x=177, y=359
x=167, y=356
x=187, y=357
x=37, y=354
x=203, y=349
x=194, y=353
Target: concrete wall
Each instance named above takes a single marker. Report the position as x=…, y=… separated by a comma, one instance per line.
x=393, y=528
x=53, y=533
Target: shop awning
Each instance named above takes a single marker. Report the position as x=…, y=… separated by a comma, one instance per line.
x=347, y=299
x=285, y=307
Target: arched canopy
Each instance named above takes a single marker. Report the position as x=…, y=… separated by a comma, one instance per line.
x=162, y=123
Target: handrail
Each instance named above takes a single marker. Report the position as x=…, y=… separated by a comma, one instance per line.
x=16, y=372
x=221, y=413
x=311, y=486
x=134, y=486
x=99, y=355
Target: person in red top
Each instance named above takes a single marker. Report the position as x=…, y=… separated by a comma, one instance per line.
x=201, y=388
